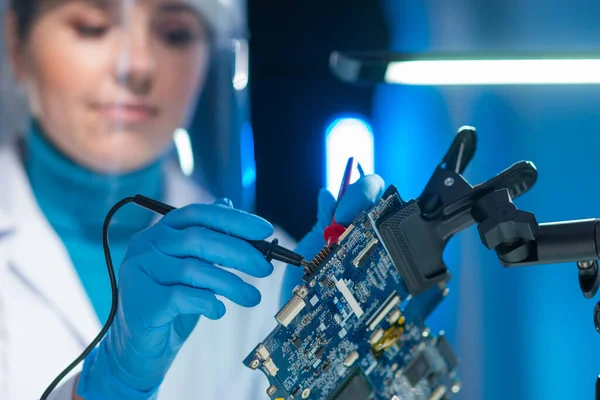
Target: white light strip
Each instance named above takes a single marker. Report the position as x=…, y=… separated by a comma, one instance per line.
x=183, y=145
x=494, y=72
x=240, y=78
x=345, y=138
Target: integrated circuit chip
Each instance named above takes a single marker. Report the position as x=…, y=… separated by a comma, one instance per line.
x=418, y=369
x=319, y=352
x=297, y=342
x=356, y=387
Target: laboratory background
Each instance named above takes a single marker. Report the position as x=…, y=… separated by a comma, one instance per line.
x=291, y=124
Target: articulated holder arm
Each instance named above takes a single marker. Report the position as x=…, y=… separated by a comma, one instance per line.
x=519, y=240
x=449, y=204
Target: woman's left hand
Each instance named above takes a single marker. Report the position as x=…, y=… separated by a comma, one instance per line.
x=359, y=197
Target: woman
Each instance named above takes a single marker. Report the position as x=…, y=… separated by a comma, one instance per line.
x=108, y=82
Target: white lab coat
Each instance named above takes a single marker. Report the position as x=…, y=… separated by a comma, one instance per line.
x=46, y=318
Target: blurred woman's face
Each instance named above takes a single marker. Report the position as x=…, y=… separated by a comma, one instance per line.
x=111, y=80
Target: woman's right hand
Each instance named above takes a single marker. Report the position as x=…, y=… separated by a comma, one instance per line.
x=169, y=278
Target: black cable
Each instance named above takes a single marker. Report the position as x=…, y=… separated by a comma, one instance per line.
x=113, y=307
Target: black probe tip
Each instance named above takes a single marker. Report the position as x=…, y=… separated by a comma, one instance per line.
x=273, y=251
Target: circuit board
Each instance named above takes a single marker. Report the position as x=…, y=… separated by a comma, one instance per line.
x=353, y=331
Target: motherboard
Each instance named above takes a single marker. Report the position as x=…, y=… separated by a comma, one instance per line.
x=353, y=331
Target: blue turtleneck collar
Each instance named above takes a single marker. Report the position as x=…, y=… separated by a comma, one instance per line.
x=75, y=201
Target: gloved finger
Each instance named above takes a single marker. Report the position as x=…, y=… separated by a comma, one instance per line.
x=188, y=300
x=215, y=248
x=325, y=206
x=359, y=197
x=166, y=303
x=220, y=218
x=202, y=275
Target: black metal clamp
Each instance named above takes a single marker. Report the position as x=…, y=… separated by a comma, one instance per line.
x=449, y=204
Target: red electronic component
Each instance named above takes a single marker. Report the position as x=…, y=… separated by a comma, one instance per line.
x=334, y=231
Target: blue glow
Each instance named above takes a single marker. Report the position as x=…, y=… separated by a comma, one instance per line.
x=345, y=138
x=248, y=178
x=248, y=162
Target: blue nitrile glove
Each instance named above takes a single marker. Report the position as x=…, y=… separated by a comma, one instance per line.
x=168, y=279
x=359, y=196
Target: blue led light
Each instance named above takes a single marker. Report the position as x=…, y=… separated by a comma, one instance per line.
x=248, y=162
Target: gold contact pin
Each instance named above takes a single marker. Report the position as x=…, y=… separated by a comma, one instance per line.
x=311, y=267
x=321, y=256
